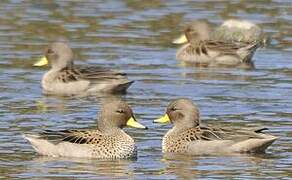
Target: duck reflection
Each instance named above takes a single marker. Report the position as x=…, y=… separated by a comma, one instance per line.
x=82, y=167
x=192, y=167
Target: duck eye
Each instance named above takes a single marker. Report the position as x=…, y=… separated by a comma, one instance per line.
x=50, y=51
x=173, y=109
x=120, y=111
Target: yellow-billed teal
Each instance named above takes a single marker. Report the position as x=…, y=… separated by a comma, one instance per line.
x=188, y=136
x=108, y=141
x=215, y=48
x=66, y=79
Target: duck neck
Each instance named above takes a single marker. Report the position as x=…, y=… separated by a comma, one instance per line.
x=184, y=125
x=106, y=127
x=178, y=130
x=196, y=43
x=59, y=65
x=50, y=76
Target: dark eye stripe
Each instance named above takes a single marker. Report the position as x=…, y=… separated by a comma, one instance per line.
x=120, y=111
x=50, y=51
x=173, y=109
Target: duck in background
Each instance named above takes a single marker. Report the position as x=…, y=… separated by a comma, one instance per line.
x=231, y=44
x=66, y=79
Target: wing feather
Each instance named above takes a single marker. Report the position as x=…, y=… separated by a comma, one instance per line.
x=73, y=136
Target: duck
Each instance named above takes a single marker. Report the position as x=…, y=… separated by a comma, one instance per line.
x=107, y=141
x=202, y=47
x=188, y=136
x=66, y=79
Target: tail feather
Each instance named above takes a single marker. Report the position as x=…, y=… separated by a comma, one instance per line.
x=254, y=145
x=122, y=88
x=41, y=146
x=45, y=147
x=247, y=52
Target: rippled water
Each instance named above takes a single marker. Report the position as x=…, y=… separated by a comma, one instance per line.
x=135, y=36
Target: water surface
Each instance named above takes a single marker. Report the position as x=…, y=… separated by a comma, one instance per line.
x=134, y=36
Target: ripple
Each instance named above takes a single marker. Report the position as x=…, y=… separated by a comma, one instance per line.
x=135, y=37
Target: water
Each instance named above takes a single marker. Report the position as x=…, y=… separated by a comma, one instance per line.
x=135, y=36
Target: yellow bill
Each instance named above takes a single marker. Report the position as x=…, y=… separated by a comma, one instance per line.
x=133, y=123
x=181, y=40
x=43, y=61
x=163, y=119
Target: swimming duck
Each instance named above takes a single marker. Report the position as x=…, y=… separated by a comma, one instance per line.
x=201, y=47
x=65, y=79
x=188, y=136
x=108, y=141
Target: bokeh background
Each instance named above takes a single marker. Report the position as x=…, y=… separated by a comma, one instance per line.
x=135, y=36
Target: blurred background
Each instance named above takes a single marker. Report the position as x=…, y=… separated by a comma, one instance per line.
x=135, y=36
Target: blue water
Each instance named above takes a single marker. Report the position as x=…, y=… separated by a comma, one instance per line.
x=135, y=37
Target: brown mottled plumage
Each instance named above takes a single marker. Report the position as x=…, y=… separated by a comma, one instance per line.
x=107, y=141
x=189, y=137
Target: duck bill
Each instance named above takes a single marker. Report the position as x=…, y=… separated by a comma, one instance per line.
x=163, y=119
x=181, y=40
x=43, y=61
x=133, y=123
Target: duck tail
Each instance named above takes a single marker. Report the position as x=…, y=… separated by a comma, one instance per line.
x=41, y=146
x=254, y=46
x=254, y=145
x=262, y=145
x=122, y=87
x=248, y=52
